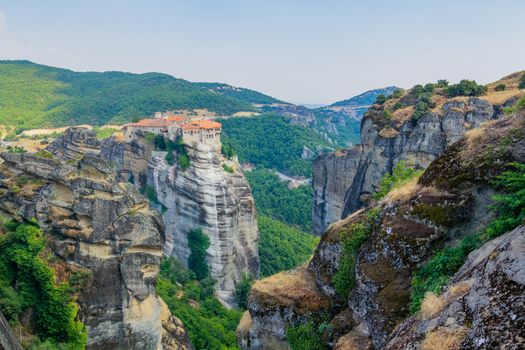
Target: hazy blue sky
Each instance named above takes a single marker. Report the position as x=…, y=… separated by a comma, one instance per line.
x=297, y=50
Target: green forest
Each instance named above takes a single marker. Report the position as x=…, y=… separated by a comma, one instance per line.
x=282, y=247
x=272, y=142
x=273, y=198
x=33, y=95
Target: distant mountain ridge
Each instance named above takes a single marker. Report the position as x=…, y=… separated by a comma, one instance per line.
x=366, y=98
x=34, y=95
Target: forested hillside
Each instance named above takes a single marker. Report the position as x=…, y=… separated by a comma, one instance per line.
x=238, y=93
x=271, y=141
x=33, y=95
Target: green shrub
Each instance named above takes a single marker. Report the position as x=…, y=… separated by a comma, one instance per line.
x=401, y=174
x=151, y=194
x=159, y=142
x=521, y=84
x=466, y=88
x=104, y=133
x=227, y=168
x=227, y=150
x=500, y=87
x=150, y=137
x=510, y=213
x=44, y=154
x=198, y=242
x=518, y=106
x=423, y=105
x=380, y=99
x=305, y=336
x=16, y=149
x=36, y=288
x=351, y=240
x=441, y=83
x=242, y=289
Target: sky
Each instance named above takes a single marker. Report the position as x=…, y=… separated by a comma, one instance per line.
x=302, y=51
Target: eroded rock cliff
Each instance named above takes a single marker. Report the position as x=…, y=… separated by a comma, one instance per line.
x=450, y=201
x=101, y=229
x=207, y=196
x=482, y=308
x=212, y=194
x=343, y=181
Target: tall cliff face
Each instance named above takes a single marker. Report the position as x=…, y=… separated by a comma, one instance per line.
x=103, y=229
x=343, y=181
x=206, y=196
x=450, y=201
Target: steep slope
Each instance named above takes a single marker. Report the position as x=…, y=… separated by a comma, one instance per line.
x=34, y=95
x=103, y=230
x=358, y=283
x=399, y=129
x=204, y=196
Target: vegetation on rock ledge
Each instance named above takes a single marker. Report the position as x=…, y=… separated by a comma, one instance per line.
x=27, y=282
x=510, y=210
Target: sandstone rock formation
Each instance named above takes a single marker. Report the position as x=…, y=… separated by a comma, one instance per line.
x=206, y=196
x=343, y=181
x=101, y=229
x=450, y=201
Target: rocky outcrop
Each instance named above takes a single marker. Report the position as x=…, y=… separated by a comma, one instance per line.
x=100, y=229
x=276, y=302
x=129, y=158
x=450, y=201
x=206, y=196
x=75, y=143
x=482, y=308
x=344, y=181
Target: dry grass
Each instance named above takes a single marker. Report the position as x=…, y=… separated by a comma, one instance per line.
x=401, y=115
x=404, y=192
x=444, y=339
x=459, y=289
x=474, y=138
x=388, y=133
x=431, y=305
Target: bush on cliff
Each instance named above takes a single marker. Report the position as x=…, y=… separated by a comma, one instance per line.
x=521, y=84
x=198, y=242
x=306, y=336
x=242, y=289
x=27, y=282
x=401, y=174
x=352, y=239
x=466, y=88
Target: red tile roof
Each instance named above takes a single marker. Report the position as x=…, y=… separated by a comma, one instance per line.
x=201, y=124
